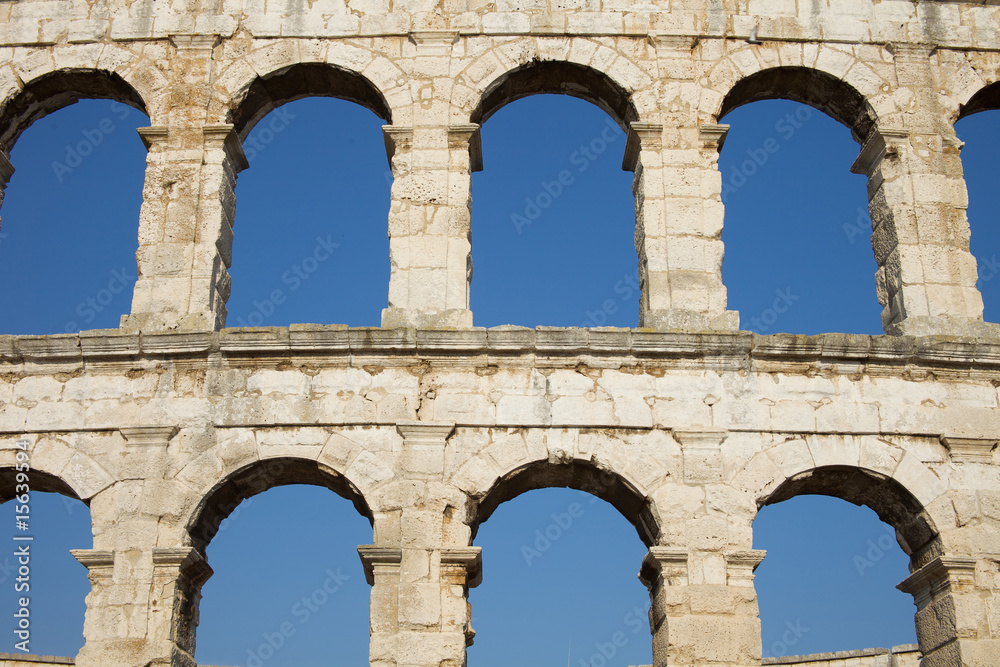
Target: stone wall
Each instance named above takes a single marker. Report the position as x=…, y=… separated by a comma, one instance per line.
x=686, y=425
x=907, y=655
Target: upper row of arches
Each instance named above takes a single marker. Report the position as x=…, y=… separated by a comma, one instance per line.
x=858, y=94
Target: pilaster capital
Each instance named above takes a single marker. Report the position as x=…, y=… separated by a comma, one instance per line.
x=740, y=566
x=425, y=433
x=463, y=564
x=222, y=135
x=398, y=139
x=148, y=436
x=183, y=562
x=100, y=563
x=941, y=574
x=154, y=136
x=664, y=564
x=434, y=42
x=698, y=439
x=882, y=143
x=423, y=447
x=195, y=42
x=380, y=560
x=712, y=136
x=466, y=135
x=641, y=136
x=969, y=450
x=672, y=45
x=911, y=51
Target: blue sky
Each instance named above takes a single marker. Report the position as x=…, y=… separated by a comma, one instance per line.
x=795, y=227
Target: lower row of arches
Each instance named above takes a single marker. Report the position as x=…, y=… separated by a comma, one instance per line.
x=559, y=581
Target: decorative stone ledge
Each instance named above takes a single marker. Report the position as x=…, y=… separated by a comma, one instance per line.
x=847, y=658
x=722, y=350
x=969, y=450
x=938, y=575
x=185, y=562
x=148, y=436
x=641, y=136
x=100, y=563
x=465, y=563
x=740, y=566
x=664, y=564
x=373, y=557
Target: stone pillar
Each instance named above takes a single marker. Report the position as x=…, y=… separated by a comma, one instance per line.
x=143, y=605
x=420, y=615
x=957, y=599
x=420, y=567
x=432, y=162
x=926, y=280
x=186, y=219
x=142, y=609
x=703, y=607
x=430, y=225
x=679, y=212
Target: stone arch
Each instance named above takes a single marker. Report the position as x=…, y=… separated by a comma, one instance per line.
x=52, y=90
x=593, y=471
x=578, y=67
x=821, y=90
x=56, y=467
x=892, y=482
x=244, y=465
x=260, y=476
x=985, y=99
x=268, y=91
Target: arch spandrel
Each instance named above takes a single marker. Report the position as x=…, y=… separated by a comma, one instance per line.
x=577, y=66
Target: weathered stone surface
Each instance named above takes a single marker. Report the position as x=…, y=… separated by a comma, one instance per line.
x=427, y=424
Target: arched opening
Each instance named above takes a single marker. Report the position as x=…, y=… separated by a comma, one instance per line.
x=820, y=90
x=559, y=570
x=553, y=214
x=977, y=128
x=824, y=556
x=54, y=583
x=267, y=93
x=288, y=587
x=310, y=241
x=797, y=228
x=72, y=201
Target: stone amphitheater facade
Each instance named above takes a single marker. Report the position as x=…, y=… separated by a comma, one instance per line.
x=686, y=425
